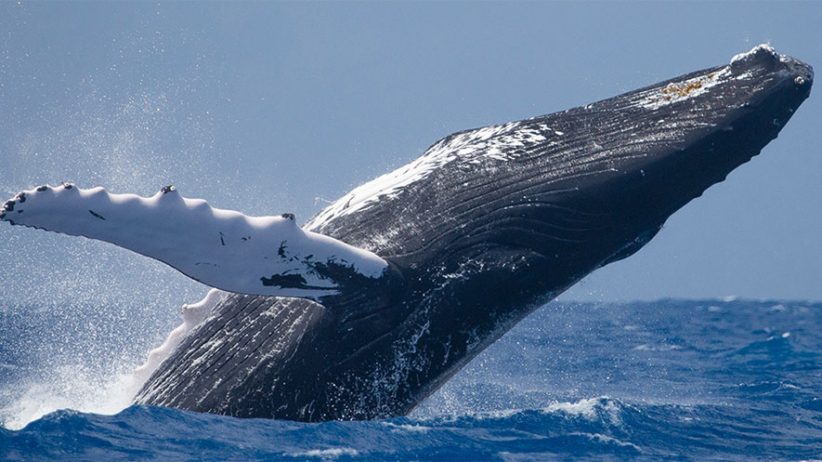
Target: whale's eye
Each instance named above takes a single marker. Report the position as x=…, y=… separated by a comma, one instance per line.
x=799, y=80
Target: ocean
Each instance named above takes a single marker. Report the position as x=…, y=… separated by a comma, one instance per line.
x=683, y=380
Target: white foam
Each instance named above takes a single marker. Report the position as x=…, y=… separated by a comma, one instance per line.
x=587, y=408
x=408, y=428
x=332, y=453
x=600, y=438
x=584, y=408
x=69, y=387
x=222, y=248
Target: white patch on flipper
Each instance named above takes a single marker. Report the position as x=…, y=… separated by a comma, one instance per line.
x=225, y=249
x=474, y=147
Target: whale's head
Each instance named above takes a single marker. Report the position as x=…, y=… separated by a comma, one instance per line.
x=537, y=204
x=677, y=138
x=620, y=167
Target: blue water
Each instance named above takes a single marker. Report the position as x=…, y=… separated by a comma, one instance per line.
x=667, y=380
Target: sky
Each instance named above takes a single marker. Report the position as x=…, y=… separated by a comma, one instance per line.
x=268, y=108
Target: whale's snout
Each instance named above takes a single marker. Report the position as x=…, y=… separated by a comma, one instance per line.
x=674, y=140
x=798, y=80
x=780, y=81
x=766, y=58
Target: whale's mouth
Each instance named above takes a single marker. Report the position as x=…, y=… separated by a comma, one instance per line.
x=683, y=135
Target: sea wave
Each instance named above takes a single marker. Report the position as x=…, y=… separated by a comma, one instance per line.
x=567, y=383
x=598, y=428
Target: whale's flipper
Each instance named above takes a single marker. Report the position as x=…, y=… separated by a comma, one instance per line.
x=221, y=248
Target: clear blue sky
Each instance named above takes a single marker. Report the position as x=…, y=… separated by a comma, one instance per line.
x=280, y=107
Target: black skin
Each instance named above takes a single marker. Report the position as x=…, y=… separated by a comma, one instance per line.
x=97, y=215
x=473, y=249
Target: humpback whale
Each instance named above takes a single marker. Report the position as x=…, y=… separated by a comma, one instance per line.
x=385, y=294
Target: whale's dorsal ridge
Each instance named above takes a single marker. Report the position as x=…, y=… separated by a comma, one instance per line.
x=470, y=148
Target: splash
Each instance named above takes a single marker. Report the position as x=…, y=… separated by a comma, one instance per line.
x=68, y=387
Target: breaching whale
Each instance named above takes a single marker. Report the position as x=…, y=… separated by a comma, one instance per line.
x=389, y=291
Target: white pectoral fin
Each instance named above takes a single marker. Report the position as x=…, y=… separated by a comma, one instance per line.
x=221, y=248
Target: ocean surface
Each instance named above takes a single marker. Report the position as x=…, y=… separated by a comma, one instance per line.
x=714, y=380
